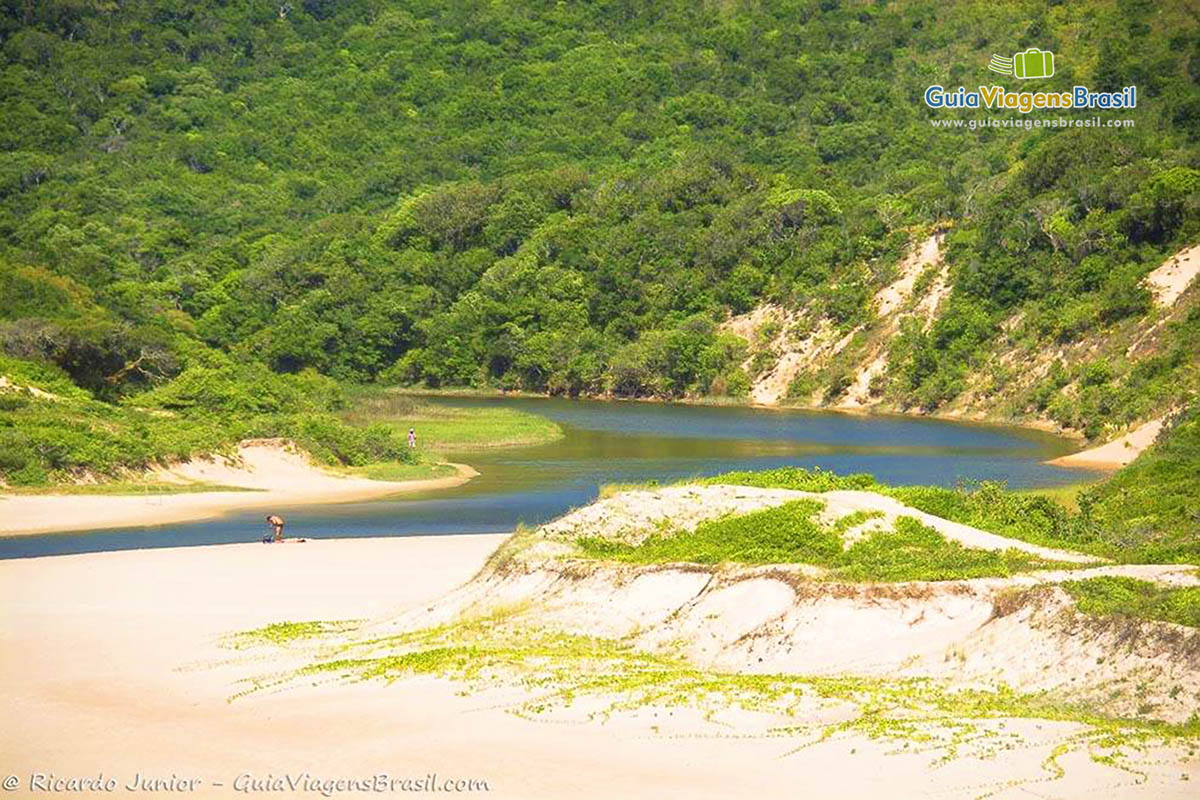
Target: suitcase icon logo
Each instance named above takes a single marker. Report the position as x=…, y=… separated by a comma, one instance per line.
x=1033, y=63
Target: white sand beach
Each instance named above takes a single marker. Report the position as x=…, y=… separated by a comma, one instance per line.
x=1117, y=453
x=273, y=474
x=113, y=664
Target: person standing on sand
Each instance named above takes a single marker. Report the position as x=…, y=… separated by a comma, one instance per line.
x=412, y=437
x=276, y=523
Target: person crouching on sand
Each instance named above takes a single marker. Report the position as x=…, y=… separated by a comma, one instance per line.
x=276, y=523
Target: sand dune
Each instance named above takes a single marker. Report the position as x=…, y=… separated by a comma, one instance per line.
x=112, y=662
x=633, y=515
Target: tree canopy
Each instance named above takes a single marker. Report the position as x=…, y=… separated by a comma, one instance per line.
x=561, y=196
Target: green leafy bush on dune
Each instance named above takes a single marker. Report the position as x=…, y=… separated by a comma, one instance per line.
x=783, y=535
x=1153, y=505
x=39, y=375
x=792, y=534
x=795, y=478
x=991, y=506
x=1148, y=512
x=1129, y=597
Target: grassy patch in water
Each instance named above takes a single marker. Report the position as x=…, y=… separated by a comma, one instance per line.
x=1129, y=597
x=442, y=426
x=793, y=534
x=396, y=471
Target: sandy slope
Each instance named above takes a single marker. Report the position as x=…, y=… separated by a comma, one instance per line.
x=820, y=344
x=1168, y=281
x=1022, y=631
x=278, y=475
x=1117, y=453
x=805, y=344
x=110, y=662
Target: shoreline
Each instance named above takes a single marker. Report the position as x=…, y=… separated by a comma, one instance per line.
x=1033, y=425
x=275, y=476
x=1103, y=457
x=1117, y=453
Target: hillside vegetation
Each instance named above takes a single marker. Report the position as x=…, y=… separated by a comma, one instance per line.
x=575, y=198
x=571, y=197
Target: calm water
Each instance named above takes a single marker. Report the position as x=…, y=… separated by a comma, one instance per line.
x=611, y=442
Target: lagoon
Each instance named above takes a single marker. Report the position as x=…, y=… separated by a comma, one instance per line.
x=625, y=442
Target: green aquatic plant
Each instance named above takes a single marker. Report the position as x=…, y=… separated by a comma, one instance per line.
x=445, y=425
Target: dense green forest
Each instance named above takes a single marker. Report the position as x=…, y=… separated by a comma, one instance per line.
x=568, y=197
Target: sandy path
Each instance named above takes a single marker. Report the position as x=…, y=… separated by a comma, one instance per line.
x=848, y=501
x=1116, y=453
x=100, y=670
x=277, y=476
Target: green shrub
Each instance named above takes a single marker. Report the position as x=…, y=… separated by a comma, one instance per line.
x=792, y=534
x=1153, y=505
x=40, y=375
x=916, y=552
x=244, y=388
x=782, y=535
x=1121, y=596
x=797, y=478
